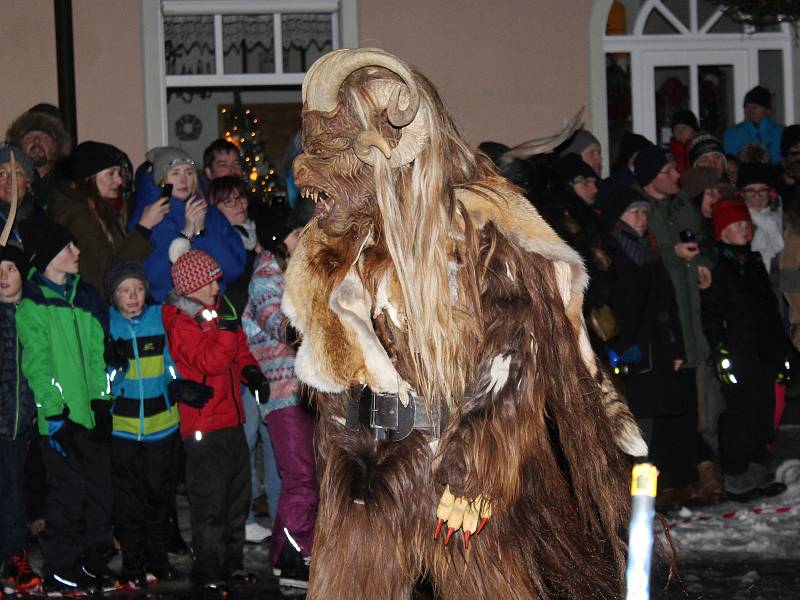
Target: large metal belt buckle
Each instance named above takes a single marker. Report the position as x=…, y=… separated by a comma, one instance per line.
x=384, y=415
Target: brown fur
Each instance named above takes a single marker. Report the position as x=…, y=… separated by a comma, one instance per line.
x=457, y=269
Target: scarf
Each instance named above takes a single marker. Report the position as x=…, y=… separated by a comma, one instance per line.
x=247, y=231
x=635, y=246
x=767, y=233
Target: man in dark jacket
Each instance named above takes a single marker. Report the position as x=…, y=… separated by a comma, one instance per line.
x=749, y=352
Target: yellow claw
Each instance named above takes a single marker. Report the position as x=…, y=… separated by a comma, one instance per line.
x=461, y=513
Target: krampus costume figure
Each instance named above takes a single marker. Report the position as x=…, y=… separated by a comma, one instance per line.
x=441, y=325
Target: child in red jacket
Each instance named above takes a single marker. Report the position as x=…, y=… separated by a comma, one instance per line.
x=212, y=351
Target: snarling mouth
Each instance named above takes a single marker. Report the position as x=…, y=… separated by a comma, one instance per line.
x=323, y=202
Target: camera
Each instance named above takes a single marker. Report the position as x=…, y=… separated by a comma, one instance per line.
x=687, y=236
x=166, y=190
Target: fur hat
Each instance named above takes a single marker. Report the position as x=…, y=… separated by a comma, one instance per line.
x=759, y=95
x=649, y=162
x=193, y=270
x=791, y=137
x=19, y=155
x=579, y=142
x=703, y=144
x=120, y=270
x=685, y=117
x=726, y=212
x=40, y=121
x=43, y=241
x=16, y=255
x=89, y=158
x=750, y=172
x=697, y=180
x=166, y=157
x=571, y=167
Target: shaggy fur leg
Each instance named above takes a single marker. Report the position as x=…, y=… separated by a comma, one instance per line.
x=375, y=517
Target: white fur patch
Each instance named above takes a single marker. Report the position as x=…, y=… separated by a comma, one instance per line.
x=498, y=373
x=351, y=302
x=509, y=274
x=305, y=367
x=382, y=301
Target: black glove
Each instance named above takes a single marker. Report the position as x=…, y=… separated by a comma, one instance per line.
x=257, y=383
x=61, y=432
x=784, y=374
x=103, y=422
x=190, y=393
x=116, y=354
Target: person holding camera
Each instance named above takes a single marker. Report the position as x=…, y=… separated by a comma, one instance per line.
x=648, y=353
x=211, y=351
x=93, y=205
x=171, y=179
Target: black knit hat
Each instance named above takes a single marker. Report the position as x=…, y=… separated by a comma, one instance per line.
x=43, y=241
x=274, y=224
x=120, y=270
x=571, y=167
x=630, y=144
x=791, y=137
x=89, y=158
x=649, y=162
x=685, y=117
x=751, y=172
x=703, y=144
x=16, y=255
x=759, y=95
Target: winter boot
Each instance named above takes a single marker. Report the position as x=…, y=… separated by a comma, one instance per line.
x=158, y=565
x=176, y=545
x=97, y=575
x=19, y=575
x=710, y=483
x=292, y=568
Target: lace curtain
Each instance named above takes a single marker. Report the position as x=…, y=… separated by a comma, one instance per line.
x=248, y=42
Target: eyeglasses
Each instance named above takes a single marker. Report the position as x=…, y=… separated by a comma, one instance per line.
x=763, y=192
x=232, y=201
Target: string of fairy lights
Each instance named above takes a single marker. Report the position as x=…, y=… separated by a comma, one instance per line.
x=242, y=130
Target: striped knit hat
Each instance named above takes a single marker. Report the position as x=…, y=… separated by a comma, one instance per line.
x=193, y=270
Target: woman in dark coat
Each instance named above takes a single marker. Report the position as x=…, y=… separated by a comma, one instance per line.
x=648, y=352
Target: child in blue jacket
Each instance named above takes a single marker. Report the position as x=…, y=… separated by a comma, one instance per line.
x=145, y=441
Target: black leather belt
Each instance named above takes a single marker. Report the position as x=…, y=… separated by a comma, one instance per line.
x=386, y=417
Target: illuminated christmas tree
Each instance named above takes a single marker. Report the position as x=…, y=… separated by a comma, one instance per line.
x=242, y=128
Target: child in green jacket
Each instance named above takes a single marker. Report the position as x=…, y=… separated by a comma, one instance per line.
x=61, y=323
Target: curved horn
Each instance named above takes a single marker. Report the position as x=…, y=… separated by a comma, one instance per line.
x=545, y=144
x=364, y=143
x=325, y=77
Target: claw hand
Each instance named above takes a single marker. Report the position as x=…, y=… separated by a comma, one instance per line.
x=461, y=513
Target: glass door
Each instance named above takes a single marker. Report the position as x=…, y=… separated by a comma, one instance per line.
x=710, y=84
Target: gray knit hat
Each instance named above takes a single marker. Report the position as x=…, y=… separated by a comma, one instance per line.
x=19, y=155
x=166, y=157
x=579, y=142
x=119, y=271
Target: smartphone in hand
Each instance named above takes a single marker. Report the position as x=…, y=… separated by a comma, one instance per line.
x=166, y=190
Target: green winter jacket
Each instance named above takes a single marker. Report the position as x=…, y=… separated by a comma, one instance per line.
x=63, y=338
x=668, y=218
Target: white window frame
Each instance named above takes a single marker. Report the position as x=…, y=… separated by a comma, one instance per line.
x=156, y=82
x=693, y=39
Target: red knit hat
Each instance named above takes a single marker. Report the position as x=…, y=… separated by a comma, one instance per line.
x=726, y=212
x=194, y=269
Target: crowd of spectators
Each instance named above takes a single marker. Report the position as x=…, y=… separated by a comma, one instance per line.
x=143, y=350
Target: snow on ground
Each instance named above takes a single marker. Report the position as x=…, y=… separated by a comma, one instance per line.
x=757, y=531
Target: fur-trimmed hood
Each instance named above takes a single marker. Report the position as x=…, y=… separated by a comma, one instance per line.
x=39, y=121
